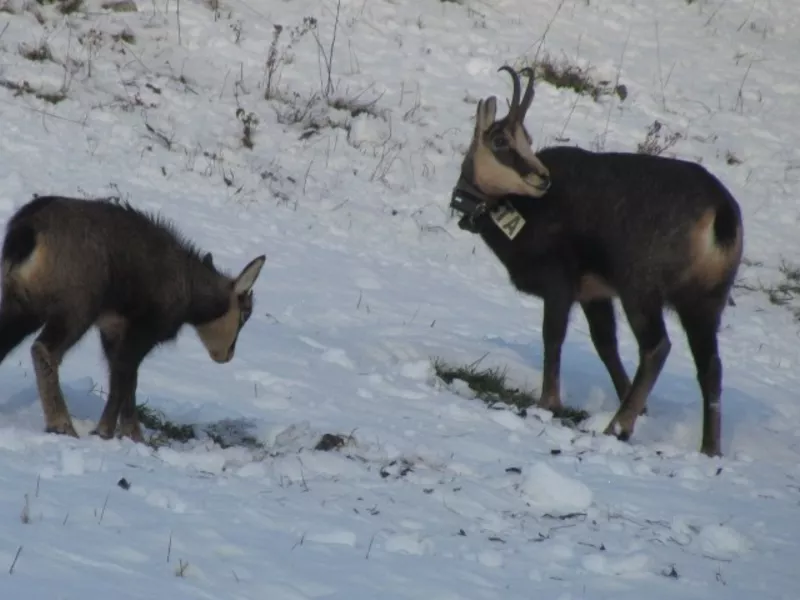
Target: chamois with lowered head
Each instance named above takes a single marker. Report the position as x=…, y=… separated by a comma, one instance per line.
x=571, y=225
x=70, y=263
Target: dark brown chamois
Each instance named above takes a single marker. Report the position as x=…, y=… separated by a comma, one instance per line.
x=69, y=263
x=577, y=226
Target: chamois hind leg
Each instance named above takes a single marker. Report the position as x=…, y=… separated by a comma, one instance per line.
x=60, y=333
x=15, y=325
x=603, y=329
x=554, y=329
x=647, y=323
x=701, y=322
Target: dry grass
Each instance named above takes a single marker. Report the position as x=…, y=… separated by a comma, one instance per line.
x=564, y=75
x=492, y=387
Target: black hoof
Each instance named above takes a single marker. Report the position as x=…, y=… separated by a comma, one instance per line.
x=62, y=430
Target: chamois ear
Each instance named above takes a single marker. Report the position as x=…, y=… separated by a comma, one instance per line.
x=208, y=260
x=485, y=114
x=246, y=279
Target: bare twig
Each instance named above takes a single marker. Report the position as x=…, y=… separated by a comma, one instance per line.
x=169, y=546
x=103, y=510
x=327, y=56
x=369, y=548
x=14, y=562
x=178, y=12
x=604, y=135
x=660, y=73
x=541, y=40
x=739, y=95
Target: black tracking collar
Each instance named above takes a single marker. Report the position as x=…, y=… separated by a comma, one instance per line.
x=471, y=203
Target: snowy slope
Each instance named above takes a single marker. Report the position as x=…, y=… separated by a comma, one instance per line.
x=367, y=278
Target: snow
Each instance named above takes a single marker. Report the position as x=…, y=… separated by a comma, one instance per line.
x=367, y=278
x=553, y=493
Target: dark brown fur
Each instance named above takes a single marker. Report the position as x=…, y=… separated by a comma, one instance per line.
x=68, y=264
x=655, y=232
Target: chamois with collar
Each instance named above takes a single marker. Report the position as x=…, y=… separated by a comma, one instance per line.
x=574, y=226
x=70, y=263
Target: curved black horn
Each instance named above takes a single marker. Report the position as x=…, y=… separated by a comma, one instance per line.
x=512, y=110
x=528, y=97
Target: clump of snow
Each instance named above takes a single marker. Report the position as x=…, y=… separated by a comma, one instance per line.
x=408, y=543
x=722, y=542
x=551, y=492
x=602, y=564
x=491, y=558
x=342, y=537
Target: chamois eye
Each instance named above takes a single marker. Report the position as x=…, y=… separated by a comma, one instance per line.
x=500, y=143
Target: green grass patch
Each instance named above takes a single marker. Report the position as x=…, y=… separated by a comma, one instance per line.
x=491, y=386
x=165, y=431
x=226, y=433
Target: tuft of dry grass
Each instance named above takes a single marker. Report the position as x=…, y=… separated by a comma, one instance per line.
x=565, y=75
x=39, y=52
x=492, y=387
x=655, y=142
x=65, y=7
x=785, y=293
x=25, y=88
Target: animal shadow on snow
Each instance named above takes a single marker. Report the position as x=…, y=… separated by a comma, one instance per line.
x=674, y=408
x=22, y=407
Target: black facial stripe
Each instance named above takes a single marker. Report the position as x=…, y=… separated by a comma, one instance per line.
x=494, y=128
x=511, y=158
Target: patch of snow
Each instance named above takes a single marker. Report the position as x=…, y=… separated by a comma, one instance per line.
x=549, y=491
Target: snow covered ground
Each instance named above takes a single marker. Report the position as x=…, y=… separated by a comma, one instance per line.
x=368, y=277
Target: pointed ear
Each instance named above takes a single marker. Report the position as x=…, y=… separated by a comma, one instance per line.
x=208, y=260
x=485, y=114
x=246, y=279
x=478, y=112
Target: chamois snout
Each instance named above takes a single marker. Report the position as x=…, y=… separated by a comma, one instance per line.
x=223, y=357
x=219, y=335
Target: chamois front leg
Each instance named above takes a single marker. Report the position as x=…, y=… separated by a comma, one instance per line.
x=129, y=426
x=107, y=425
x=136, y=345
x=121, y=404
x=125, y=347
x=557, y=307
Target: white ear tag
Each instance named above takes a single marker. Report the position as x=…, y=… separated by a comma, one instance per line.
x=508, y=220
